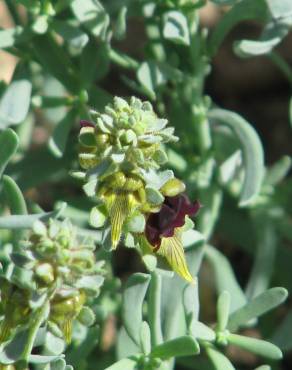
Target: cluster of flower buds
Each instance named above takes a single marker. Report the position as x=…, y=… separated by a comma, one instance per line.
x=121, y=152
x=54, y=267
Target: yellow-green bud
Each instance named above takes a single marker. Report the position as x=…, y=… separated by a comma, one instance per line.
x=173, y=187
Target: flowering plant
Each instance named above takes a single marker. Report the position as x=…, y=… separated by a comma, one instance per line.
x=140, y=228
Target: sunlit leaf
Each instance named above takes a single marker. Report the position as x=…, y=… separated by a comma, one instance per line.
x=253, y=155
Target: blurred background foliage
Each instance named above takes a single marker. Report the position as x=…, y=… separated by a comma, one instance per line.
x=60, y=57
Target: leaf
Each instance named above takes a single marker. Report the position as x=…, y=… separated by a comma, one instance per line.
x=153, y=195
x=70, y=33
x=145, y=338
x=55, y=60
x=283, y=335
x=253, y=155
x=53, y=345
x=223, y=305
x=280, y=9
x=201, y=331
x=191, y=303
x=40, y=25
x=60, y=364
x=57, y=142
x=86, y=316
x=244, y=10
x=8, y=146
x=154, y=309
x=225, y=278
x=124, y=364
x=175, y=27
x=133, y=298
x=257, y=307
x=14, y=196
x=225, y=2
x=14, y=103
x=121, y=24
x=39, y=359
x=265, y=255
x=78, y=353
x=94, y=63
x=150, y=76
x=93, y=15
x=178, y=347
x=271, y=36
x=228, y=168
x=125, y=345
x=256, y=346
x=217, y=358
x=8, y=37
x=263, y=367
x=26, y=221
x=276, y=173
x=12, y=351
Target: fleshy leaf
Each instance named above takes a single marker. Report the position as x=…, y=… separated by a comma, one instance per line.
x=8, y=146
x=133, y=298
x=181, y=346
x=220, y=361
x=257, y=307
x=253, y=155
x=256, y=346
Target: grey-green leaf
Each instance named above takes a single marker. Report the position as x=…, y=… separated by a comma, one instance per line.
x=8, y=146
x=223, y=305
x=256, y=346
x=175, y=27
x=181, y=346
x=278, y=171
x=133, y=298
x=280, y=9
x=14, y=196
x=145, y=338
x=26, y=221
x=283, y=335
x=201, y=331
x=225, y=278
x=257, y=307
x=124, y=364
x=14, y=104
x=217, y=358
x=8, y=37
x=253, y=155
x=244, y=10
x=57, y=142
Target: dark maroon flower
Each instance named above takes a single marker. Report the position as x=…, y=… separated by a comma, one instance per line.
x=85, y=123
x=171, y=215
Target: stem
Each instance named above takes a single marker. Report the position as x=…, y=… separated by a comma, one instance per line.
x=36, y=323
x=281, y=63
x=123, y=60
x=154, y=305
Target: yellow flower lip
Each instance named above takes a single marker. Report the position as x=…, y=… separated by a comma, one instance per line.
x=163, y=232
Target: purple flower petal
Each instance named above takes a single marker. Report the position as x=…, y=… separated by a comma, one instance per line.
x=171, y=215
x=85, y=123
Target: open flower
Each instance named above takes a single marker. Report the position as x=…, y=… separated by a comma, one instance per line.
x=164, y=228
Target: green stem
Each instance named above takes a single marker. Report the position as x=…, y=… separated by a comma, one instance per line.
x=154, y=306
x=281, y=63
x=123, y=60
x=36, y=323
